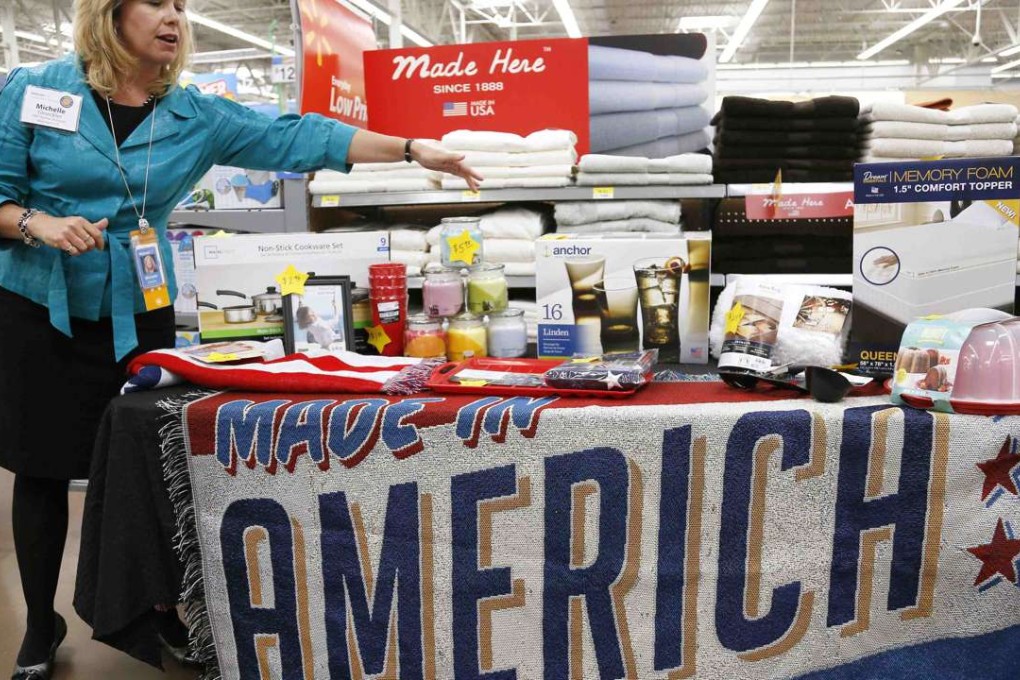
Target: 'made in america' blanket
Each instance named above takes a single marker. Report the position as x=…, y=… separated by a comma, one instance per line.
x=497, y=538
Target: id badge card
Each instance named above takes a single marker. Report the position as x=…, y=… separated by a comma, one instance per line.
x=149, y=267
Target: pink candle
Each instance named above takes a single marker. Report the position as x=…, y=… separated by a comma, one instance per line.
x=443, y=293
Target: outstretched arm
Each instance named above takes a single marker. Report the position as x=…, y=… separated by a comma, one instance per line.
x=372, y=147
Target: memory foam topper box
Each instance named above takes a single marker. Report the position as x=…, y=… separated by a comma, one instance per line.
x=930, y=237
x=622, y=293
x=231, y=271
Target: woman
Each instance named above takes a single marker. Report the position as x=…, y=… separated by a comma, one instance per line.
x=93, y=147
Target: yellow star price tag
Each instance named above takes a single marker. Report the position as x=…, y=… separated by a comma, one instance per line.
x=473, y=383
x=377, y=338
x=291, y=281
x=901, y=377
x=463, y=247
x=733, y=318
x=218, y=358
x=222, y=234
x=602, y=192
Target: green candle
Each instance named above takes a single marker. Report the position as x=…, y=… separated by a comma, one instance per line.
x=487, y=289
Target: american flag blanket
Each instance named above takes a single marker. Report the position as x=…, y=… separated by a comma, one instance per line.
x=680, y=534
x=275, y=372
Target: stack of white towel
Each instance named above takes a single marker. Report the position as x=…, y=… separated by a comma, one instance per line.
x=544, y=158
x=508, y=238
x=603, y=217
x=901, y=131
x=1016, y=140
x=410, y=246
x=597, y=170
x=374, y=177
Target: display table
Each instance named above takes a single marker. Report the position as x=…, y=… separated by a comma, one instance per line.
x=692, y=531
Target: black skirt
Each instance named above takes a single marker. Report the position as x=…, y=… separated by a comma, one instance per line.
x=53, y=389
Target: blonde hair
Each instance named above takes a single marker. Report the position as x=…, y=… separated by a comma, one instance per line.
x=103, y=55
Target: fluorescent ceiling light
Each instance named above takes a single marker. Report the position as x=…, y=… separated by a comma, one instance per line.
x=41, y=39
x=743, y=28
x=237, y=33
x=811, y=64
x=703, y=22
x=222, y=56
x=568, y=18
x=373, y=10
x=927, y=17
x=490, y=4
x=1005, y=67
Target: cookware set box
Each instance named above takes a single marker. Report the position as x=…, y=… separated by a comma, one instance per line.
x=238, y=294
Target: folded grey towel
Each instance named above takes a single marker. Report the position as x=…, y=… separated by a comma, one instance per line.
x=572, y=213
x=613, y=63
x=610, y=96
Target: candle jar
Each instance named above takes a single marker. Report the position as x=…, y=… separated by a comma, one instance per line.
x=361, y=316
x=507, y=334
x=465, y=337
x=460, y=241
x=487, y=289
x=423, y=338
x=443, y=293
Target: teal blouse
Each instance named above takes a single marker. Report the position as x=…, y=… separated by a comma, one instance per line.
x=75, y=173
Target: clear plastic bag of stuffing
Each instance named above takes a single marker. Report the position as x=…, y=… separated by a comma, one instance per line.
x=760, y=325
x=617, y=371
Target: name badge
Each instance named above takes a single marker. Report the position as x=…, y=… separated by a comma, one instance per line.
x=51, y=108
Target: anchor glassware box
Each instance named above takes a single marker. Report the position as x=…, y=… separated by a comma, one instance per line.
x=622, y=293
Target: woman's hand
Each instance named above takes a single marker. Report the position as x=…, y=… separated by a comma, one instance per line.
x=439, y=159
x=74, y=235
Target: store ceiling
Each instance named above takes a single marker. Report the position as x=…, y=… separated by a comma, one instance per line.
x=787, y=30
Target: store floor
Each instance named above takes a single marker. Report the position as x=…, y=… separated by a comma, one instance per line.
x=80, y=657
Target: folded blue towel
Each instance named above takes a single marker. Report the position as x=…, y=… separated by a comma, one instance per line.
x=616, y=130
x=610, y=96
x=611, y=63
x=665, y=147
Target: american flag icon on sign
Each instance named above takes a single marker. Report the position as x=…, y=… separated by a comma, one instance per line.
x=454, y=109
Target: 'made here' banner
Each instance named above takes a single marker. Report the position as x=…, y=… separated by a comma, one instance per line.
x=518, y=538
x=519, y=87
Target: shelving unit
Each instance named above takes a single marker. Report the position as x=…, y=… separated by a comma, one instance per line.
x=516, y=195
x=291, y=218
x=414, y=282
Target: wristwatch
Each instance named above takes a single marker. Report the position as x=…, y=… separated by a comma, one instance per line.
x=407, y=150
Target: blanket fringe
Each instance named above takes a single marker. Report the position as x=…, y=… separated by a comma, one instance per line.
x=174, y=458
x=412, y=379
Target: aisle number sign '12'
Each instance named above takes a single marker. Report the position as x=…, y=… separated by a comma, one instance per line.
x=333, y=39
x=519, y=87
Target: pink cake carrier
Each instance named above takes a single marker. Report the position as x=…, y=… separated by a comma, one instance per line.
x=988, y=376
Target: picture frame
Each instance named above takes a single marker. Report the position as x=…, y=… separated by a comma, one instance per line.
x=319, y=321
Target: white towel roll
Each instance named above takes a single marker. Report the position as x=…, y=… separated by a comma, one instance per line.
x=502, y=251
x=408, y=239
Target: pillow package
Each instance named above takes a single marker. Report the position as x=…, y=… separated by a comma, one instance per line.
x=759, y=325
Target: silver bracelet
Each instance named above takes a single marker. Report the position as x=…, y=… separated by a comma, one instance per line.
x=23, y=228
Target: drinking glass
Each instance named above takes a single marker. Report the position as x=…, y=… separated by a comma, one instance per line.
x=658, y=282
x=584, y=273
x=617, y=299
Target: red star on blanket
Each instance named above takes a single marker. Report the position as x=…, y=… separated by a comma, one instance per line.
x=997, y=470
x=997, y=557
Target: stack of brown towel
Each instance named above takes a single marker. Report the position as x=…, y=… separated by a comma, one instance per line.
x=810, y=141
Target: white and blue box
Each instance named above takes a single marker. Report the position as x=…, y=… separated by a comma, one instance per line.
x=930, y=237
